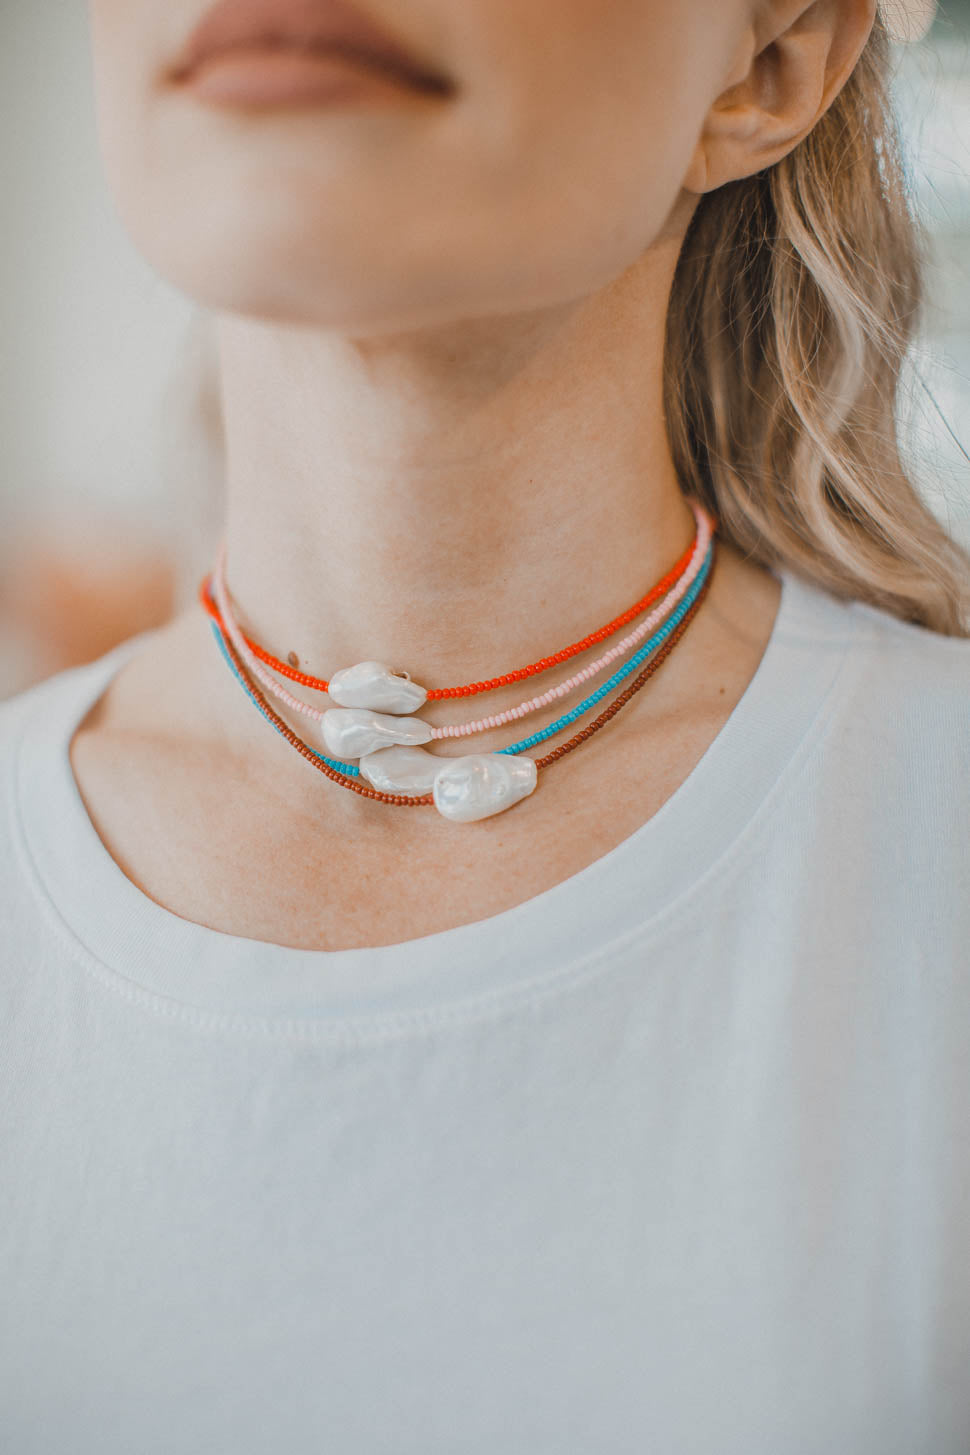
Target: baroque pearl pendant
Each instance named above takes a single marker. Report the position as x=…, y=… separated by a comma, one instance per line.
x=351, y=732
x=400, y=769
x=464, y=789
x=372, y=684
x=480, y=784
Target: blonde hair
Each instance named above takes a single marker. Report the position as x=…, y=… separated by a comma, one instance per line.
x=796, y=297
x=797, y=293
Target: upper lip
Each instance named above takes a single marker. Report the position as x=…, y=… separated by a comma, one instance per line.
x=333, y=25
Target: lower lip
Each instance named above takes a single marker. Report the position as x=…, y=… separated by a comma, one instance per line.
x=279, y=77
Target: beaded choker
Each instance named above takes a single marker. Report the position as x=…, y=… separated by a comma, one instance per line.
x=372, y=731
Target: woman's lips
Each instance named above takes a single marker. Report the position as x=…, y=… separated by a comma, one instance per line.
x=263, y=75
x=266, y=51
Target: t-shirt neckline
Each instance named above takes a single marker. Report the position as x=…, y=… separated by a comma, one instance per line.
x=634, y=889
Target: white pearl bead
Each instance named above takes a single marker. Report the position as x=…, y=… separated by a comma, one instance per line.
x=350, y=732
x=371, y=684
x=480, y=784
x=400, y=769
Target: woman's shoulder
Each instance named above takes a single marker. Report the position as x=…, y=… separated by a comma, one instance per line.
x=27, y=706
x=39, y=804
x=885, y=626
x=47, y=712
x=35, y=702
x=903, y=656
x=893, y=729
x=901, y=714
x=924, y=667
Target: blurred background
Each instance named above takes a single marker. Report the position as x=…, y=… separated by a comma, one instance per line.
x=110, y=457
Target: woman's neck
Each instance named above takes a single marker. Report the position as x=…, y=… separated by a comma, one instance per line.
x=454, y=502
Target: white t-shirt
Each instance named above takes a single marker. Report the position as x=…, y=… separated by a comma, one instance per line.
x=673, y=1157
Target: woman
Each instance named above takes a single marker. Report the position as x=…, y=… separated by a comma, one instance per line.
x=614, y=1102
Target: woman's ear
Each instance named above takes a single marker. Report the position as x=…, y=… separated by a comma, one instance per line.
x=798, y=56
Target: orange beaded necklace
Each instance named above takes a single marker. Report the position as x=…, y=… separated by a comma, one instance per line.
x=470, y=689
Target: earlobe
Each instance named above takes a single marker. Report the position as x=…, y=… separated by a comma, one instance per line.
x=696, y=176
x=727, y=146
